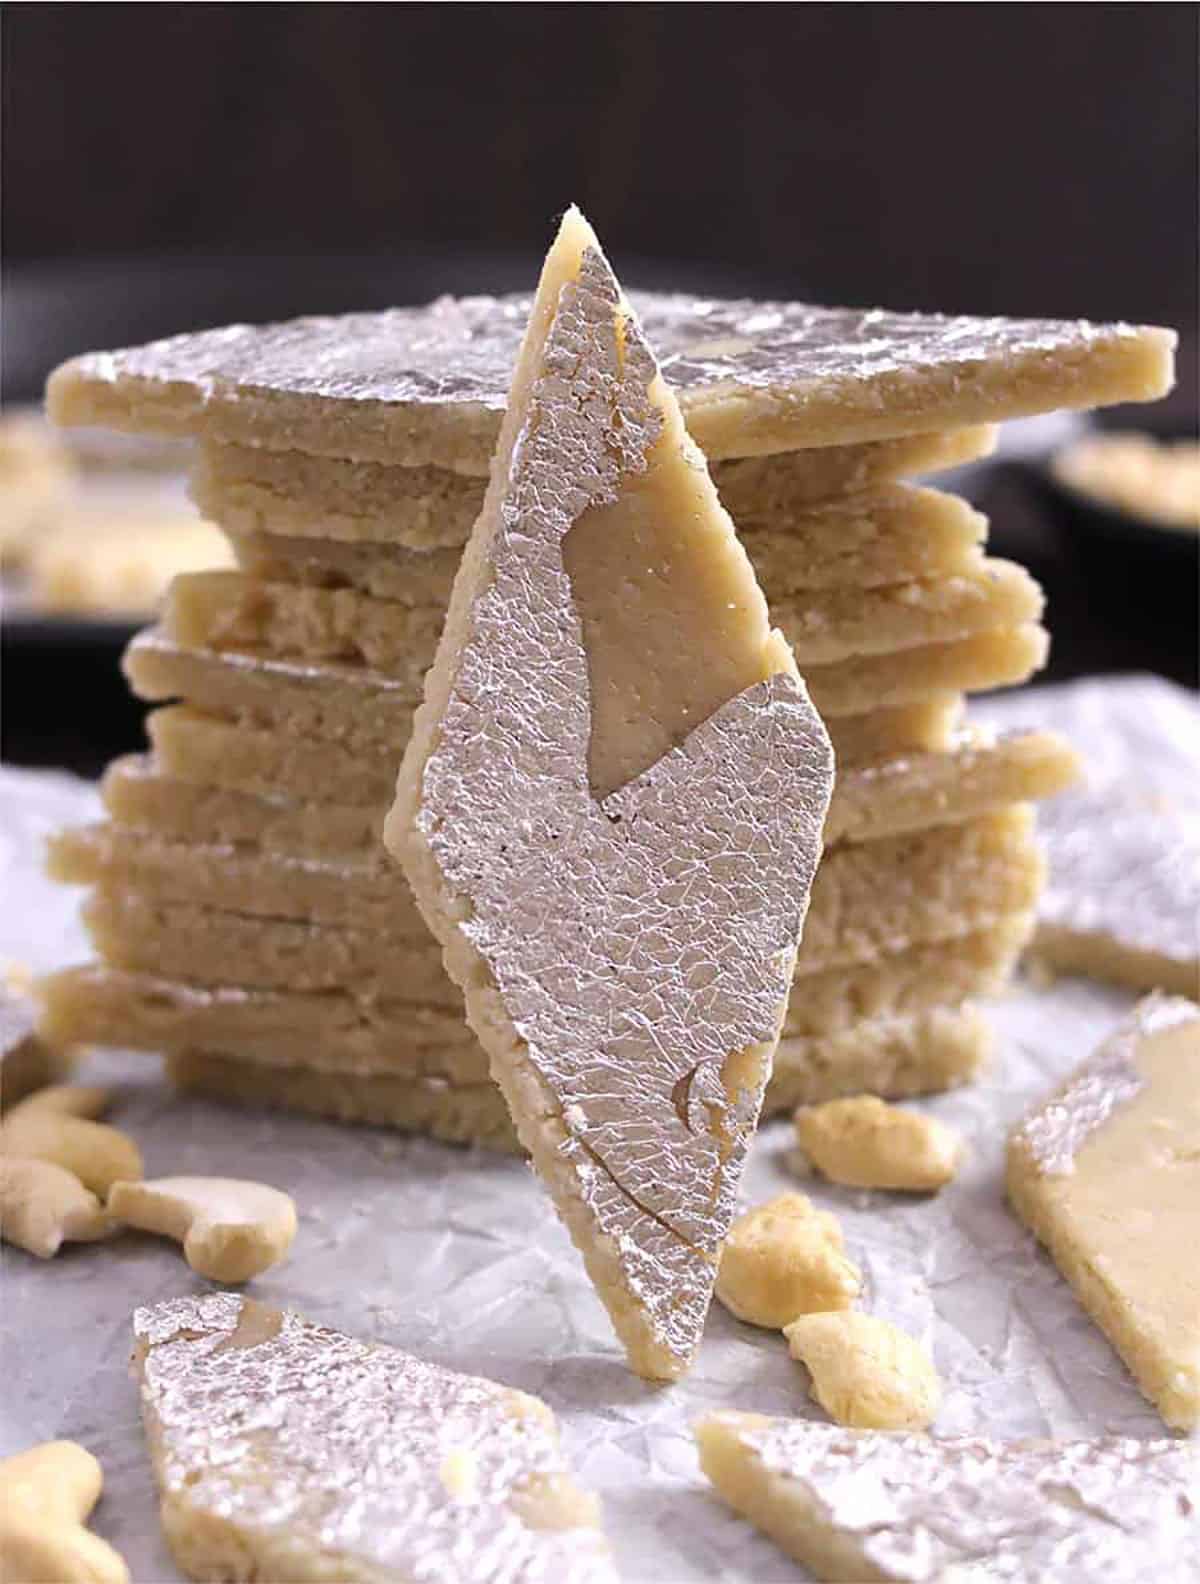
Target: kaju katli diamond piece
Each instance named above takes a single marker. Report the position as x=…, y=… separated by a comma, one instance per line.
x=611, y=808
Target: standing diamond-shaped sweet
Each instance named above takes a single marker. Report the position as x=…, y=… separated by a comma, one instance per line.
x=611, y=808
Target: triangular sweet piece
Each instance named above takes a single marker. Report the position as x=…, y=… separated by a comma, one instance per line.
x=854, y=1505
x=1105, y=1172
x=284, y=1450
x=611, y=808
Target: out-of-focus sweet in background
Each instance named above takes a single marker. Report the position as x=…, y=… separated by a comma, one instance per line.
x=94, y=525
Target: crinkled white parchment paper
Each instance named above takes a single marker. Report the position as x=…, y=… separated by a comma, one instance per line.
x=456, y=1254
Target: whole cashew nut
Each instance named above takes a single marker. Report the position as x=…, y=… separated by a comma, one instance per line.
x=98, y=1155
x=45, y=1496
x=43, y=1206
x=230, y=1229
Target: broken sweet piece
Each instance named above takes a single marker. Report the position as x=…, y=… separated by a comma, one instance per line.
x=611, y=807
x=785, y=1258
x=857, y=1505
x=1122, y=899
x=865, y=1143
x=865, y=1371
x=286, y=1450
x=1104, y=1172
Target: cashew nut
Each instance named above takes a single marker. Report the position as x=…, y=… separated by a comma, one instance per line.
x=784, y=1259
x=98, y=1155
x=865, y=1143
x=230, y=1230
x=76, y=1100
x=42, y=1206
x=865, y=1371
x=45, y=1496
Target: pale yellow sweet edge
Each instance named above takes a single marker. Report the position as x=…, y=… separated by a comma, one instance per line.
x=1152, y=1368
x=725, y=422
x=777, y=1505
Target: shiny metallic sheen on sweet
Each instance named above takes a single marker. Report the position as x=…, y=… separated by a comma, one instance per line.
x=461, y=351
x=928, y=1510
x=1123, y=867
x=1057, y=1129
x=638, y=943
x=366, y=1463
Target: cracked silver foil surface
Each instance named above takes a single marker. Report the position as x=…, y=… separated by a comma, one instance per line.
x=640, y=941
x=1055, y=1132
x=456, y=1255
x=311, y=1444
x=458, y=353
x=925, y=1510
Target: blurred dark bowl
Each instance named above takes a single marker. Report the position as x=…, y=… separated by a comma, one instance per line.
x=1141, y=542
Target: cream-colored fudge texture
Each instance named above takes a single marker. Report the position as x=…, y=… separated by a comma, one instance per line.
x=868, y=901
x=366, y=709
x=1105, y=1173
x=211, y=780
x=894, y=534
x=251, y=490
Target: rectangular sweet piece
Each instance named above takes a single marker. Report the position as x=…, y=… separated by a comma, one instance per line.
x=264, y=885
x=928, y=725
x=1122, y=900
x=1105, y=1172
x=890, y=534
x=334, y=1031
x=141, y=794
x=979, y=773
x=176, y=940
x=420, y=386
x=893, y=534
x=896, y=1058
x=390, y=572
x=828, y=625
x=455, y=1113
x=248, y=489
x=866, y=1505
x=232, y=610
x=346, y=703
x=228, y=610
x=217, y=782
x=285, y=1450
x=1001, y=657
x=195, y=747
x=366, y=709
x=867, y=901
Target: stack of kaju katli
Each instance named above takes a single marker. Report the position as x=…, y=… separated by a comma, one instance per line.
x=249, y=923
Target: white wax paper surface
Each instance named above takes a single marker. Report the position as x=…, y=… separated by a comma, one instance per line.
x=456, y=1255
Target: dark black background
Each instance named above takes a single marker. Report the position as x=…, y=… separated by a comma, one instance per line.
x=168, y=166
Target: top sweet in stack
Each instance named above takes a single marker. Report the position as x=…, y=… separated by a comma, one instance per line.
x=250, y=925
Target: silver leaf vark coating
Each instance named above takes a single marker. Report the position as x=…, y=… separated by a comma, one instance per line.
x=460, y=352
x=929, y=1510
x=638, y=942
x=1124, y=869
x=1056, y=1130
x=373, y=1464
